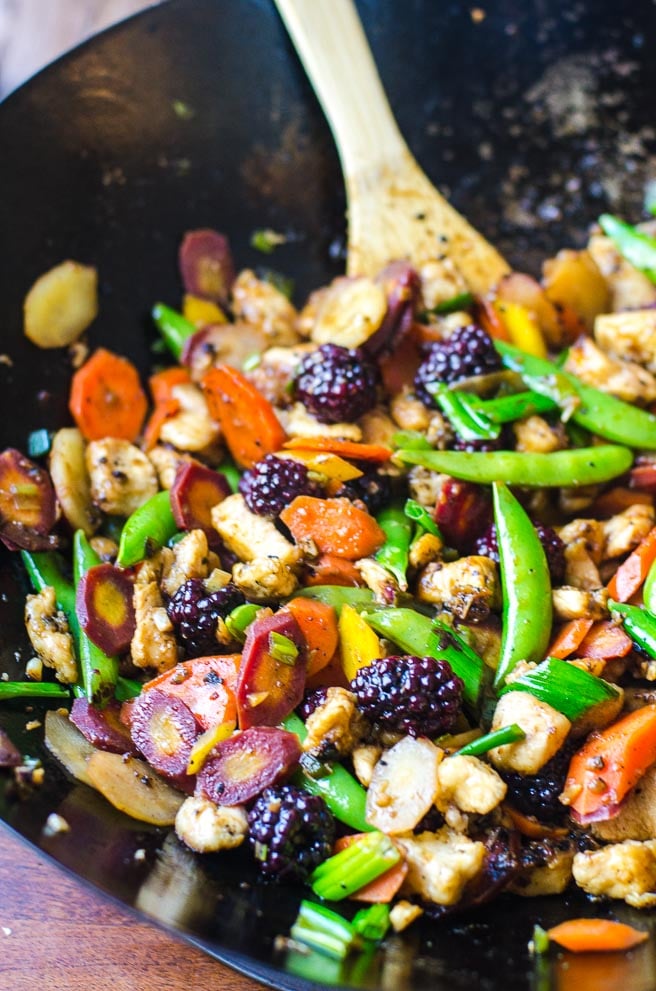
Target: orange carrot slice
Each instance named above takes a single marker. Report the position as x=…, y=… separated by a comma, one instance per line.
x=318, y=623
x=596, y=935
x=344, y=448
x=605, y=640
x=383, y=888
x=631, y=573
x=166, y=406
x=335, y=525
x=568, y=638
x=106, y=397
x=248, y=420
x=212, y=700
x=328, y=569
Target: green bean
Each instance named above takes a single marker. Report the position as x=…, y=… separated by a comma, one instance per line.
x=525, y=583
x=33, y=689
x=581, y=466
x=394, y=553
x=597, y=411
x=174, y=328
x=638, y=248
x=148, y=529
x=99, y=672
x=638, y=623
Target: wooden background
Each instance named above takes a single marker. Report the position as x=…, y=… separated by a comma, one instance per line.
x=57, y=934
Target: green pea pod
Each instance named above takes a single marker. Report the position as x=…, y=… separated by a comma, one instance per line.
x=466, y=424
x=394, y=553
x=525, y=583
x=148, y=529
x=638, y=623
x=597, y=411
x=33, y=689
x=232, y=475
x=411, y=440
x=174, y=328
x=99, y=672
x=45, y=568
x=506, y=409
x=579, y=466
x=339, y=595
x=638, y=248
x=649, y=590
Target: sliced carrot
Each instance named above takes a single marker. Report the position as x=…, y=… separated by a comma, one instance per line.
x=609, y=764
x=631, y=573
x=328, y=569
x=618, y=499
x=106, y=397
x=568, y=638
x=318, y=623
x=596, y=935
x=248, y=420
x=206, y=685
x=383, y=888
x=335, y=526
x=490, y=321
x=344, y=448
x=531, y=827
x=605, y=640
x=164, y=411
x=166, y=405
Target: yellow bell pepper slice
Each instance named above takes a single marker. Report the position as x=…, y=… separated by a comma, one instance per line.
x=328, y=465
x=206, y=743
x=359, y=645
x=202, y=311
x=522, y=327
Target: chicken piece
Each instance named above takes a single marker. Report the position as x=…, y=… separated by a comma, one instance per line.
x=636, y=819
x=424, y=550
x=551, y=878
x=622, y=870
x=441, y=864
x=274, y=374
x=350, y=312
x=577, y=603
x=440, y=432
x=264, y=579
x=470, y=784
x=192, y=429
x=299, y=423
x=630, y=336
x=153, y=644
x=105, y=548
x=624, y=379
x=190, y=560
x=364, y=759
x=153, y=567
x=403, y=914
x=382, y=582
x=207, y=828
x=259, y=303
x=545, y=729
x=409, y=413
x=623, y=532
x=577, y=498
x=580, y=568
x=122, y=477
x=335, y=724
x=250, y=536
x=629, y=288
x=440, y=282
x=377, y=427
x=536, y=435
x=425, y=486
x=590, y=533
x=307, y=317
x=47, y=628
x=468, y=587
x=166, y=461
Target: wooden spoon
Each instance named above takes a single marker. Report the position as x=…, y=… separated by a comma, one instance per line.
x=394, y=211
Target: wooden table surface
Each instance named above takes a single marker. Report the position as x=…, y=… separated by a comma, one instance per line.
x=57, y=934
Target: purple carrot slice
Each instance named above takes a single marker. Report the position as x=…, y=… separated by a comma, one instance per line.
x=104, y=607
x=240, y=768
x=272, y=672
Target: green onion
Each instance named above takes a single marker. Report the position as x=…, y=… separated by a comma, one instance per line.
x=183, y=110
x=231, y=473
x=540, y=941
x=565, y=687
x=373, y=922
x=419, y=514
x=650, y=197
x=497, y=738
x=323, y=930
x=282, y=283
x=282, y=649
x=238, y=621
x=266, y=240
x=251, y=362
x=460, y=302
x=411, y=440
x=175, y=329
x=638, y=248
x=33, y=689
x=38, y=443
x=349, y=870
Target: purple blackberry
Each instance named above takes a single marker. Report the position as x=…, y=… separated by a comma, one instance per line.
x=311, y=702
x=371, y=488
x=554, y=549
x=273, y=483
x=415, y=695
x=469, y=351
x=195, y=613
x=537, y=794
x=336, y=384
x=290, y=832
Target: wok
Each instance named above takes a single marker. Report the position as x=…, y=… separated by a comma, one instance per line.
x=533, y=119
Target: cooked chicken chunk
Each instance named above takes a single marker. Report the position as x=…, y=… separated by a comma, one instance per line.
x=586, y=532
x=166, y=461
x=623, y=532
x=622, y=870
x=350, y=312
x=299, y=423
x=409, y=413
x=535, y=434
x=624, y=379
x=577, y=603
x=207, y=828
x=630, y=336
x=259, y=303
x=265, y=578
x=629, y=288
x=190, y=560
x=470, y=784
x=425, y=549
x=580, y=568
x=364, y=759
x=382, y=582
x=192, y=429
x=551, y=878
x=545, y=729
x=440, y=282
x=47, y=628
x=274, y=373
x=468, y=587
x=122, y=477
x=377, y=427
x=250, y=536
x=153, y=644
x=335, y=723
x=441, y=864
x=425, y=486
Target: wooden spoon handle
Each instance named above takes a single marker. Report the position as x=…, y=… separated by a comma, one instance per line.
x=332, y=45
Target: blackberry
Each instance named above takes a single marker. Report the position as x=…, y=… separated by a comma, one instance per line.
x=195, y=613
x=537, y=794
x=468, y=351
x=336, y=384
x=554, y=549
x=311, y=702
x=273, y=483
x=290, y=832
x=371, y=488
x=415, y=695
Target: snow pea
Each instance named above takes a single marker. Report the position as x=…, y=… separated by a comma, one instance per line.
x=174, y=328
x=339, y=595
x=148, y=529
x=394, y=553
x=638, y=623
x=467, y=423
x=506, y=409
x=579, y=466
x=33, y=689
x=637, y=247
x=99, y=672
x=597, y=411
x=45, y=568
x=525, y=583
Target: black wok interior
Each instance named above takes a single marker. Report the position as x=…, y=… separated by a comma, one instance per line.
x=196, y=113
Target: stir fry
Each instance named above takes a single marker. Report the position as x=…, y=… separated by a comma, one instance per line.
x=369, y=587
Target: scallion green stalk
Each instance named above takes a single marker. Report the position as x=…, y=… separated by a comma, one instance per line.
x=565, y=687
x=349, y=870
x=373, y=922
x=33, y=689
x=323, y=930
x=496, y=738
